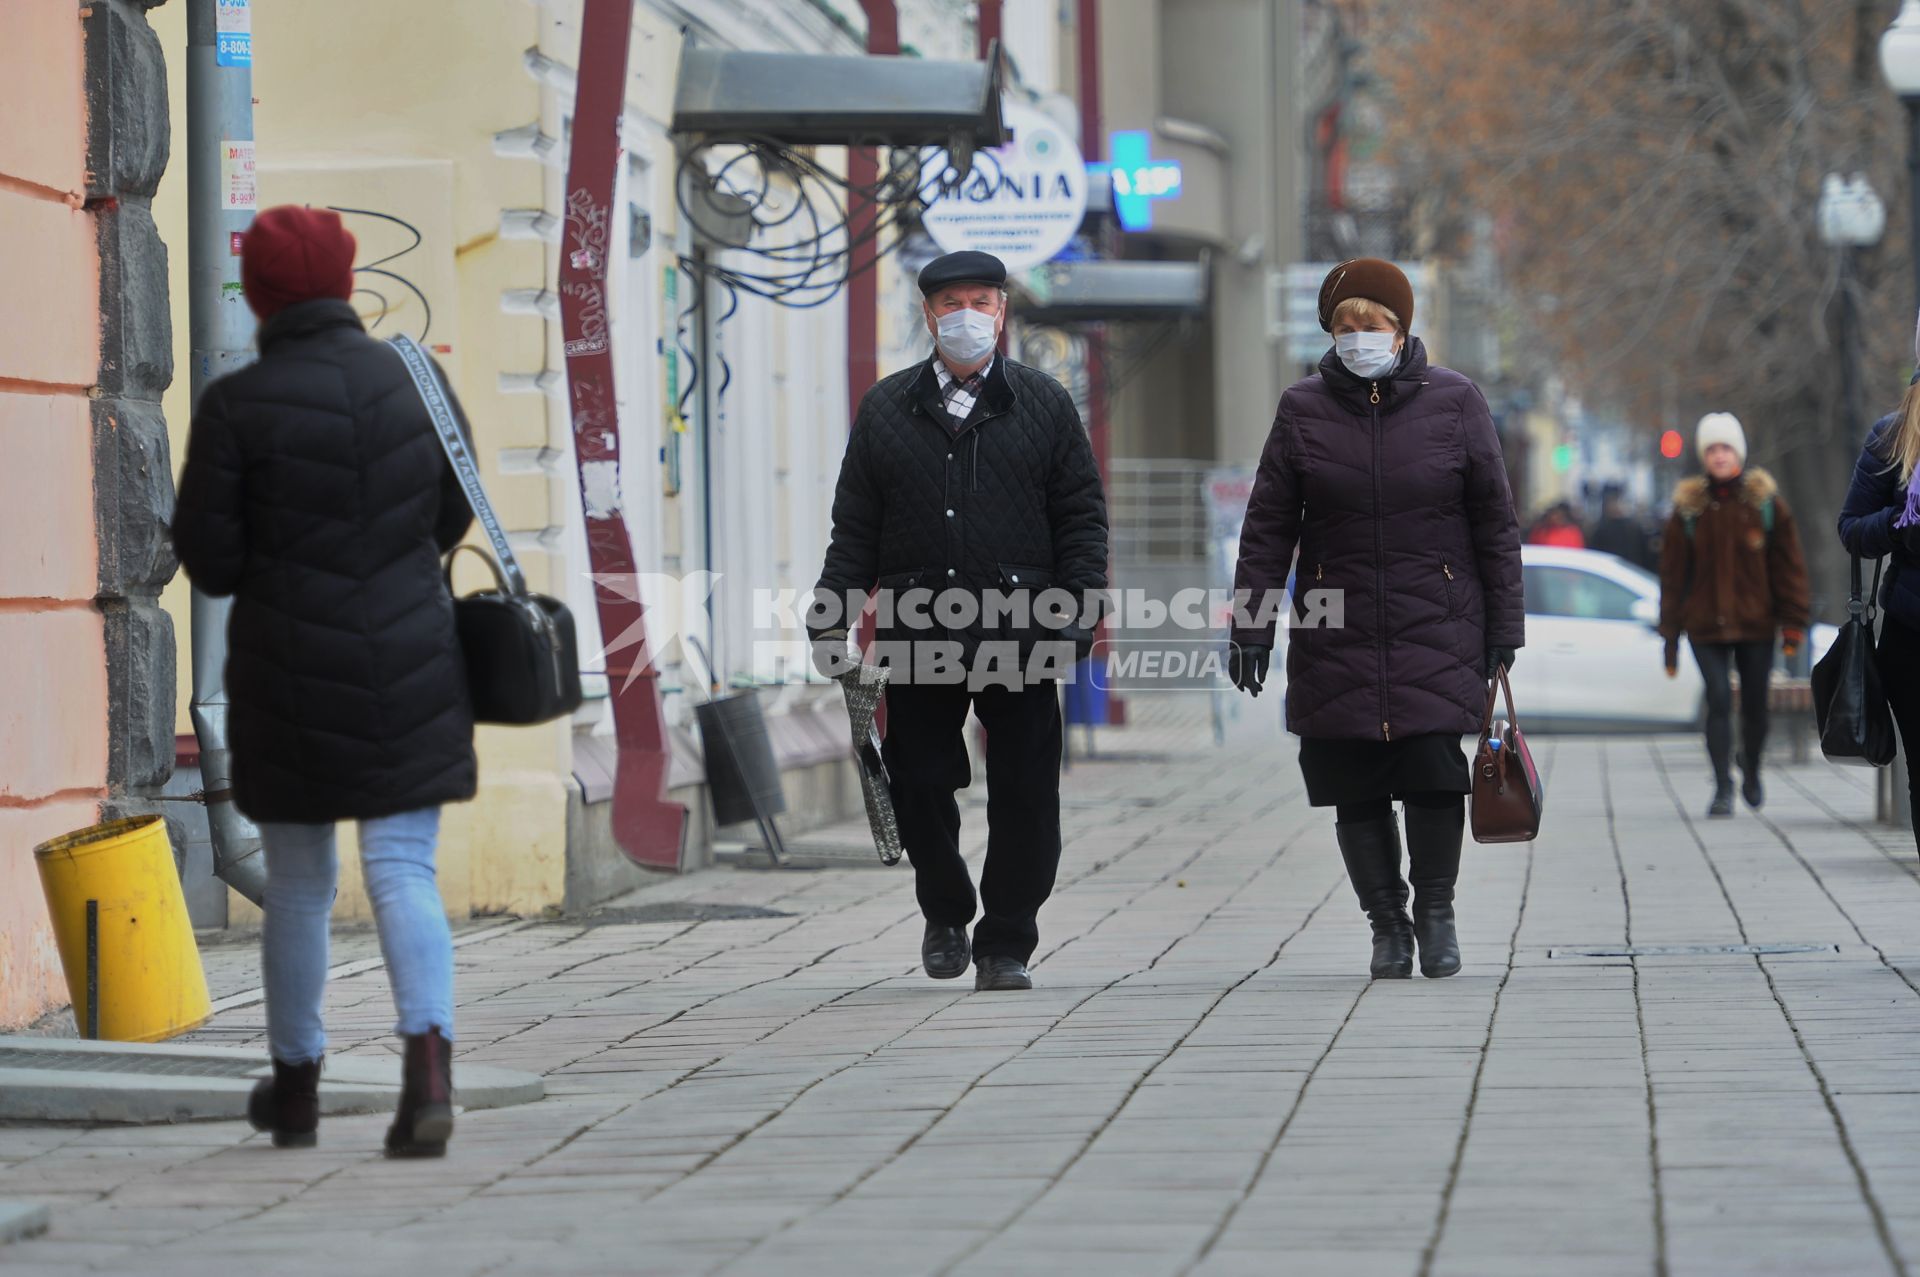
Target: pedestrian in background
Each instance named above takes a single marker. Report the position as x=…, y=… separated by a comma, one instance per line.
x=1558, y=526
x=1731, y=574
x=317, y=495
x=1619, y=532
x=1881, y=516
x=1385, y=473
x=968, y=475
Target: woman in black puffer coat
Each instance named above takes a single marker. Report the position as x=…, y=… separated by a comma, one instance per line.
x=316, y=494
x=1384, y=472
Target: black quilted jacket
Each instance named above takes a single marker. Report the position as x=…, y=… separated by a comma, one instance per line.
x=1012, y=502
x=1402, y=506
x=316, y=494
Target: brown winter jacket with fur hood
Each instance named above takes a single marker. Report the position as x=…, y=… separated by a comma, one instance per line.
x=1724, y=577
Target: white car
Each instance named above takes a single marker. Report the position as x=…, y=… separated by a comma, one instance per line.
x=1593, y=658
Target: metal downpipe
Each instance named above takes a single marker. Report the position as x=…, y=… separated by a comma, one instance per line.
x=220, y=203
x=236, y=841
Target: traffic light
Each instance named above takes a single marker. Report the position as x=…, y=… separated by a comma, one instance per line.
x=1672, y=445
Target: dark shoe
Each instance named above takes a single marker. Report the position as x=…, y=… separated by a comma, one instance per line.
x=1433, y=866
x=992, y=972
x=1722, y=804
x=1751, y=791
x=424, y=1121
x=288, y=1104
x=944, y=952
x=1371, y=849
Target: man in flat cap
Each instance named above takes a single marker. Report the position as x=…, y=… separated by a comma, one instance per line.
x=968, y=490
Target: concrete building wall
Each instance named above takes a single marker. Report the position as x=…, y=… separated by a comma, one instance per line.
x=1209, y=80
x=53, y=717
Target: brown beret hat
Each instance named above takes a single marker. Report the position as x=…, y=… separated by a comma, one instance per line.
x=1371, y=278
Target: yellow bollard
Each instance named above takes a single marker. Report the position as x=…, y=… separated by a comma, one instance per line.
x=120, y=917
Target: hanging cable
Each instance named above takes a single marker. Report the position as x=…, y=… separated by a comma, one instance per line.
x=798, y=214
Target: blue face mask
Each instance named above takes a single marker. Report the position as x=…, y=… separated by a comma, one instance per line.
x=966, y=336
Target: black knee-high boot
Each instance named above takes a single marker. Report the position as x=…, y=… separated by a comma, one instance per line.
x=1371, y=849
x=1433, y=855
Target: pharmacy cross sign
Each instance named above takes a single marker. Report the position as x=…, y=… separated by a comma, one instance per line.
x=1138, y=179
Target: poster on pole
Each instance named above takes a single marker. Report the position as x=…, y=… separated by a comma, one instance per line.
x=239, y=190
x=1022, y=202
x=233, y=33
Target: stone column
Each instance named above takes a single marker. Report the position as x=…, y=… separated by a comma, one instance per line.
x=127, y=150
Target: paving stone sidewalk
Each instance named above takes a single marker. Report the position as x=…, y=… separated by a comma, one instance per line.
x=1205, y=1082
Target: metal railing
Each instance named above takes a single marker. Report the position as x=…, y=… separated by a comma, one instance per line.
x=1158, y=510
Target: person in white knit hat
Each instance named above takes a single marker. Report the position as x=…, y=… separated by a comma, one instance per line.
x=1731, y=576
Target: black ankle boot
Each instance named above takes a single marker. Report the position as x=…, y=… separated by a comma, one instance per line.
x=1371, y=849
x=1433, y=865
x=425, y=1118
x=288, y=1104
x=1751, y=789
x=1722, y=804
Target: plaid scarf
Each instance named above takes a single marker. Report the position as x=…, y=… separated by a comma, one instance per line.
x=959, y=395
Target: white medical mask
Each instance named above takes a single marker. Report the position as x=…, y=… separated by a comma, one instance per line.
x=1367, y=355
x=966, y=336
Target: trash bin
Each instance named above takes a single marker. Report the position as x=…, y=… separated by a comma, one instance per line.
x=120, y=918
x=742, y=776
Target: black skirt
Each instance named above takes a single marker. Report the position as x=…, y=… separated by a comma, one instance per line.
x=1365, y=771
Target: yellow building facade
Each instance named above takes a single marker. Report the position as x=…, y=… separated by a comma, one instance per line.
x=443, y=141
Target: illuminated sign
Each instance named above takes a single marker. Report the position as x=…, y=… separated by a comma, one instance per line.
x=1138, y=179
x=1022, y=202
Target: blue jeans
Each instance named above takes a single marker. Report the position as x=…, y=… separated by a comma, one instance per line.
x=396, y=857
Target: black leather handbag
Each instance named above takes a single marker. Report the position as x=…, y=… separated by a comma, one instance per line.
x=1856, y=723
x=523, y=662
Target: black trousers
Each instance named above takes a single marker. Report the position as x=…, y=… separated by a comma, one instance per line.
x=1899, y=662
x=1717, y=663
x=926, y=757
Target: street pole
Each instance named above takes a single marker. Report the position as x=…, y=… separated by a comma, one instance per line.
x=863, y=282
x=1912, y=104
x=220, y=206
x=1851, y=380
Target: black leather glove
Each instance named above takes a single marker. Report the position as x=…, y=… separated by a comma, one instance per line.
x=1082, y=639
x=831, y=656
x=1247, y=666
x=1498, y=656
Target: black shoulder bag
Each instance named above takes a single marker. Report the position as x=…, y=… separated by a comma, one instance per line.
x=1856, y=724
x=523, y=664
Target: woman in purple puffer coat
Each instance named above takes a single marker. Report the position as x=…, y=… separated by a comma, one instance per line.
x=1384, y=472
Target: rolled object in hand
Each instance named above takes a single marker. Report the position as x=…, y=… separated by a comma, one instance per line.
x=865, y=687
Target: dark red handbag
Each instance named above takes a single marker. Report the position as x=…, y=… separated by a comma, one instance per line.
x=1507, y=798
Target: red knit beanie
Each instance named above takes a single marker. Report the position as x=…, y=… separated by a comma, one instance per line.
x=295, y=254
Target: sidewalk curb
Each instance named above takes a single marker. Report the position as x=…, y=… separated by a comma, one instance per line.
x=134, y=1083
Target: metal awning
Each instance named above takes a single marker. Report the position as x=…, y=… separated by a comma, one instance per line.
x=804, y=99
x=1082, y=292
